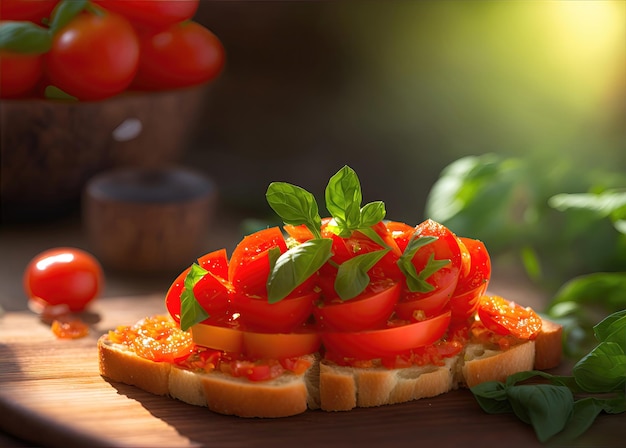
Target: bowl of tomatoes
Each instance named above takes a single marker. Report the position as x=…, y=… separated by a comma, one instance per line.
x=88, y=86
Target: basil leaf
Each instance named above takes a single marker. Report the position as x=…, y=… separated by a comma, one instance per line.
x=352, y=278
x=64, y=12
x=491, y=396
x=416, y=282
x=583, y=415
x=343, y=200
x=603, y=369
x=546, y=407
x=295, y=266
x=24, y=37
x=612, y=329
x=295, y=206
x=191, y=312
x=372, y=213
x=372, y=235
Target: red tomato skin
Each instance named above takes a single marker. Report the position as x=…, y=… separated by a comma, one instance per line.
x=400, y=232
x=249, y=265
x=30, y=10
x=257, y=314
x=444, y=280
x=504, y=317
x=215, y=262
x=19, y=73
x=473, y=284
x=186, y=54
x=429, y=303
x=374, y=344
x=93, y=57
x=212, y=293
x=152, y=14
x=372, y=309
x=63, y=276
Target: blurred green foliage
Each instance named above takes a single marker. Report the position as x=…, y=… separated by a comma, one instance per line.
x=562, y=221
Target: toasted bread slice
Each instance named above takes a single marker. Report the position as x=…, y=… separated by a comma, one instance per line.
x=326, y=385
x=220, y=392
x=343, y=388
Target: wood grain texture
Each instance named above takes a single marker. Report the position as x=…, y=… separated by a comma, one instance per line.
x=51, y=394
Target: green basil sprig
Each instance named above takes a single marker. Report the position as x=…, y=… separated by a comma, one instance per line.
x=296, y=206
x=416, y=281
x=343, y=196
x=566, y=406
x=294, y=266
x=190, y=310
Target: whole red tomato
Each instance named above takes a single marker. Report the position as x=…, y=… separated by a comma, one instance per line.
x=32, y=10
x=94, y=56
x=63, y=276
x=185, y=54
x=19, y=74
x=152, y=14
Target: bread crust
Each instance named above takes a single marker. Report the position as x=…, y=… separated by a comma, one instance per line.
x=481, y=364
x=125, y=367
x=548, y=346
x=343, y=388
x=327, y=385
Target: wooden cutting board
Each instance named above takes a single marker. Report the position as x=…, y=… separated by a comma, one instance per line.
x=51, y=394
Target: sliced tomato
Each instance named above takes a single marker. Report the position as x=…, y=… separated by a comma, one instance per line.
x=400, y=232
x=387, y=342
x=503, y=317
x=466, y=258
x=249, y=265
x=371, y=309
x=155, y=338
x=359, y=243
x=256, y=313
x=256, y=345
x=218, y=337
x=415, y=305
x=281, y=345
x=444, y=281
x=212, y=293
x=215, y=262
x=299, y=233
x=473, y=284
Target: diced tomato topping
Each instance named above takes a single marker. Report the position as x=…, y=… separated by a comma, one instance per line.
x=69, y=328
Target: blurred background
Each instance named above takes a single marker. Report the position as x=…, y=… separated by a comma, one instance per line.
x=399, y=89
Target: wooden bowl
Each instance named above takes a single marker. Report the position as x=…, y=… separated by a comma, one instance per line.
x=149, y=220
x=49, y=149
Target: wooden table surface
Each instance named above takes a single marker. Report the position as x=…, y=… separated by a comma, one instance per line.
x=52, y=395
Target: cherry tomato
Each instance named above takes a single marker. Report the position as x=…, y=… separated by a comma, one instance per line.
x=284, y=316
x=371, y=309
x=249, y=265
x=504, y=317
x=216, y=263
x=444, y=281
x=387, y=342
x=31, y=10
x=473, y=284
x=94, y=56
x=254, y=344
x=63, y=276
x=186, y=54
x=152, y=14
x=19, y=74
